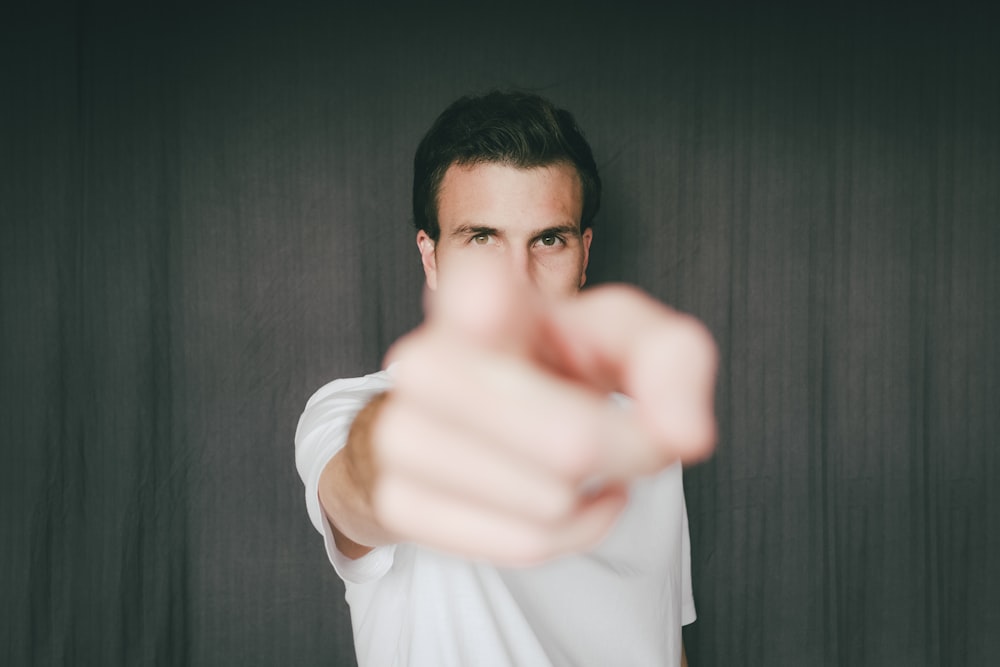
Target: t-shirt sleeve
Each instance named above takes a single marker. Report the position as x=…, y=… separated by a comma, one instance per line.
x=688, y=613
x=321, y=433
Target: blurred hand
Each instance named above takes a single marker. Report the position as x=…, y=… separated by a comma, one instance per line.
x=499, y=441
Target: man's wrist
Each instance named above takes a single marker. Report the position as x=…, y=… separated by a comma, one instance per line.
x=359, y=457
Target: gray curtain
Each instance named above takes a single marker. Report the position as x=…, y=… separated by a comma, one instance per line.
x=205, y=218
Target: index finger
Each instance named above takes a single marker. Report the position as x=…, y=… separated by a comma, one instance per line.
x=619, y=338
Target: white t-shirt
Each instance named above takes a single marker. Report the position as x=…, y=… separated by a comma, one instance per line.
x=621, y=604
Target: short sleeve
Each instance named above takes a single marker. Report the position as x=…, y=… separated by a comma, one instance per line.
x=688, y=613
x=321, y=433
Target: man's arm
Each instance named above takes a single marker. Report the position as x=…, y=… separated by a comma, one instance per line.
x=345, y=488
x=497, y=441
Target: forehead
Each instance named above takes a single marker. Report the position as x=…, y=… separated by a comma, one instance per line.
x=494, y=193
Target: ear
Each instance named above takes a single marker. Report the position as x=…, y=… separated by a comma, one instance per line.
x=428, y=258
x=586, y=238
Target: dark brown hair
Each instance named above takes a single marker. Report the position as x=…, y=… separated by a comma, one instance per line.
x=513, y=128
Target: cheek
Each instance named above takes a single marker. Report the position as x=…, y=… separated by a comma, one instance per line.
x=561, y=277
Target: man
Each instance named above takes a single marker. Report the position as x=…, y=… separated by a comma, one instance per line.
x=489, y=500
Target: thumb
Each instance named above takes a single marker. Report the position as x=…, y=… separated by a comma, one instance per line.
x=480, y=303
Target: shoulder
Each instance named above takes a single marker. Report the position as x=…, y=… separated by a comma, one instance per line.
x=362, y=388
x=335, y=404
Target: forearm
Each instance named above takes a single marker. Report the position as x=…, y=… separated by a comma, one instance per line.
x=345, y=488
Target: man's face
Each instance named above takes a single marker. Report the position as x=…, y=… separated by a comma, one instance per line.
x=527, y=220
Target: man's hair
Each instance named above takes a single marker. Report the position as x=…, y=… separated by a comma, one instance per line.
x=513, y=128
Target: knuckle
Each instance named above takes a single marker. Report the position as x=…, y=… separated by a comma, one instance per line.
x=556, y=506
x=575, y=450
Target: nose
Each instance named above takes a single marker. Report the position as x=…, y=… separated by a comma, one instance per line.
x=521, y=268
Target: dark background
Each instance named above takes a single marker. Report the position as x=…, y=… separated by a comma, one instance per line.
x=205, y=217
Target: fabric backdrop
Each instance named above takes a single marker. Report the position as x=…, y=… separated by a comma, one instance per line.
x=205, y=217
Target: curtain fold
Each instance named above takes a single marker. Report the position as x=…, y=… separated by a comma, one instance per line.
x=206, y=217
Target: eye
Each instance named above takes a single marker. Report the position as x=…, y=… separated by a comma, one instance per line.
x=550, y=240
x=480, y=239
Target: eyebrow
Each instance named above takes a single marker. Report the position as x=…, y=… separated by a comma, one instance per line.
x=566, y=230
x=474, y=230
